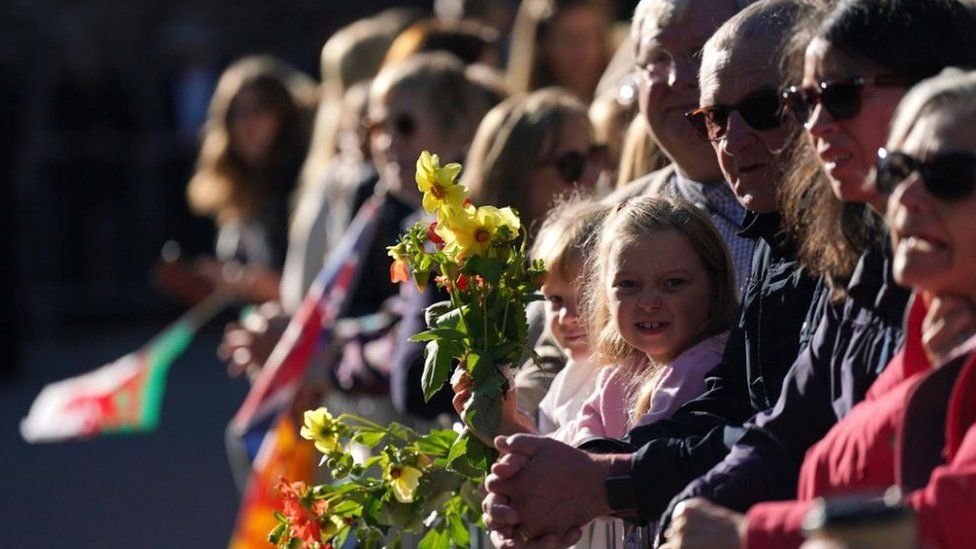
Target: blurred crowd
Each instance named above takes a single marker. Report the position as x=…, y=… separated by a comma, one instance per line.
x=755, y=215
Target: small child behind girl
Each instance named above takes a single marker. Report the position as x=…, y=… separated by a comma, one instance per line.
x=568, y=233
x=658, y=299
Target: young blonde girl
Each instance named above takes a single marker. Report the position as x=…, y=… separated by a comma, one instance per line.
x=658, y=299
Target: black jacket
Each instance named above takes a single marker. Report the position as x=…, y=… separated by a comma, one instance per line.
x=853, y=343
x=774, y=326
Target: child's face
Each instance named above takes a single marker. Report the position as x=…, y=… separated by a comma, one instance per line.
x=562, y=317
x=659, y=293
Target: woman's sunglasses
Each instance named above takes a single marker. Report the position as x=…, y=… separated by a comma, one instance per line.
x=761, y=111
x=571, y=165
x=841, y=98
x=403, y=124
x=947, y=175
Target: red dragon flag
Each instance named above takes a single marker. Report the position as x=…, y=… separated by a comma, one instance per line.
x=122, y=397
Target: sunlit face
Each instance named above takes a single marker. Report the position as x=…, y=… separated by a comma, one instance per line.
x=576, y=49
x=750, y=159
x=548, y=177
x=253, y=126
x=668, y=60
x=562, y=316
x=934, y=238
x=403, y=126
x=659, y=293
x=847, y=148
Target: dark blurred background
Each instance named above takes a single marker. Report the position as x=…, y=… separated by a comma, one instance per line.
x=100, y=108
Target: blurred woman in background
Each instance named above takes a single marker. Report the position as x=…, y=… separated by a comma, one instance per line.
x=254, y=141
x=559, y=43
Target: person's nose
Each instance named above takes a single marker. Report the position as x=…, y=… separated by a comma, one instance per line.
x=739, y=135
x=568, y=315
x=649, y=299
x=909, y=197
x=821, y=122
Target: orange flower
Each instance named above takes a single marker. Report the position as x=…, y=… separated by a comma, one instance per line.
x=301, y=513
x=433, y=236
x=398, y=271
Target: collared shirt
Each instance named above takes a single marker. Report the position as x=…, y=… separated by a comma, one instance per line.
x=727, y=214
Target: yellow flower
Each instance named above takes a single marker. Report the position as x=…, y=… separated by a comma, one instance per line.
x=320, y=427
x=405, y=480
x=472, y=231
x=437, y=184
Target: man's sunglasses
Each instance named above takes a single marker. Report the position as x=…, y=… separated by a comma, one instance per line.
x=949, y=175
x=841, y=98
x=761, y=111
x=571, y=165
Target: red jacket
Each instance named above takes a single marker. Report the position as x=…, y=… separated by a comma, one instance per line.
x=888, y=439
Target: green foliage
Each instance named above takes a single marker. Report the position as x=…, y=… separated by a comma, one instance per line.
x=429, y=483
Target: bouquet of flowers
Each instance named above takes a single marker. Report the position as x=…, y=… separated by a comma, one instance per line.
x=428, y=483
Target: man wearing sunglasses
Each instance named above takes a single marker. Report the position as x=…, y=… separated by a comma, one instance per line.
x=741, y=125
x=669, y=36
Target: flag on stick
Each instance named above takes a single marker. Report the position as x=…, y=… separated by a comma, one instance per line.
x=313, y=324
x=122, y=397
x=283, y=455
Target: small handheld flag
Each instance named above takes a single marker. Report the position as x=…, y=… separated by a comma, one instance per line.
x=122, y=397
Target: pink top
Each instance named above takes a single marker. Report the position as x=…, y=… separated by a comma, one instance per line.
x=607, y=412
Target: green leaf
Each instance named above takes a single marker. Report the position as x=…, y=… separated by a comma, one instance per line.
x=481, y=367
x=434, y=539
x=458, y=531
x=437, y=369
x=483, y=409
x=507, y=353
x=442, y=315
x=438, y=333
x=368, y=438
x=489, y=269
x=401, y=432
x=437, y=442
x=458, y=458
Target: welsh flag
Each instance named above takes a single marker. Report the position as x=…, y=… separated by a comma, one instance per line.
x=122, y=397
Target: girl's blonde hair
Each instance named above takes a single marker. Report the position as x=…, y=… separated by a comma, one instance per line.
x=568, y=235
x=222, y=186
x=632, y=220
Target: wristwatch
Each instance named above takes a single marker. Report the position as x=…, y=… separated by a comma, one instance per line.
x=620, y=495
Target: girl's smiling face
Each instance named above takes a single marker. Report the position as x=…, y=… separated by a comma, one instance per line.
x=659, y=293
x=562, y=316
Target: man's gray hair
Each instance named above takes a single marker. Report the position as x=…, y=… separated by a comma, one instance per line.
x=667, y=13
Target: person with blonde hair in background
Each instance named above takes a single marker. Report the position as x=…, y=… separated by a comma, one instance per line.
x=561, y=43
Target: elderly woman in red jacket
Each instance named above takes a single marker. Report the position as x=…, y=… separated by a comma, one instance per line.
x=917, y=426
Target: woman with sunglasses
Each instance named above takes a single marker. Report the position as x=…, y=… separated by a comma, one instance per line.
x=929, y=173
x=530, y=149
x=855, y=43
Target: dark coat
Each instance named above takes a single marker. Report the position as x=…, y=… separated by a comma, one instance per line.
x=853, y=343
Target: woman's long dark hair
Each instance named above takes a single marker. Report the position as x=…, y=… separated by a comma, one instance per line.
x=912, y=38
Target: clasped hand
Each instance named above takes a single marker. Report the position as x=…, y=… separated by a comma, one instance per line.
x=541, y=492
